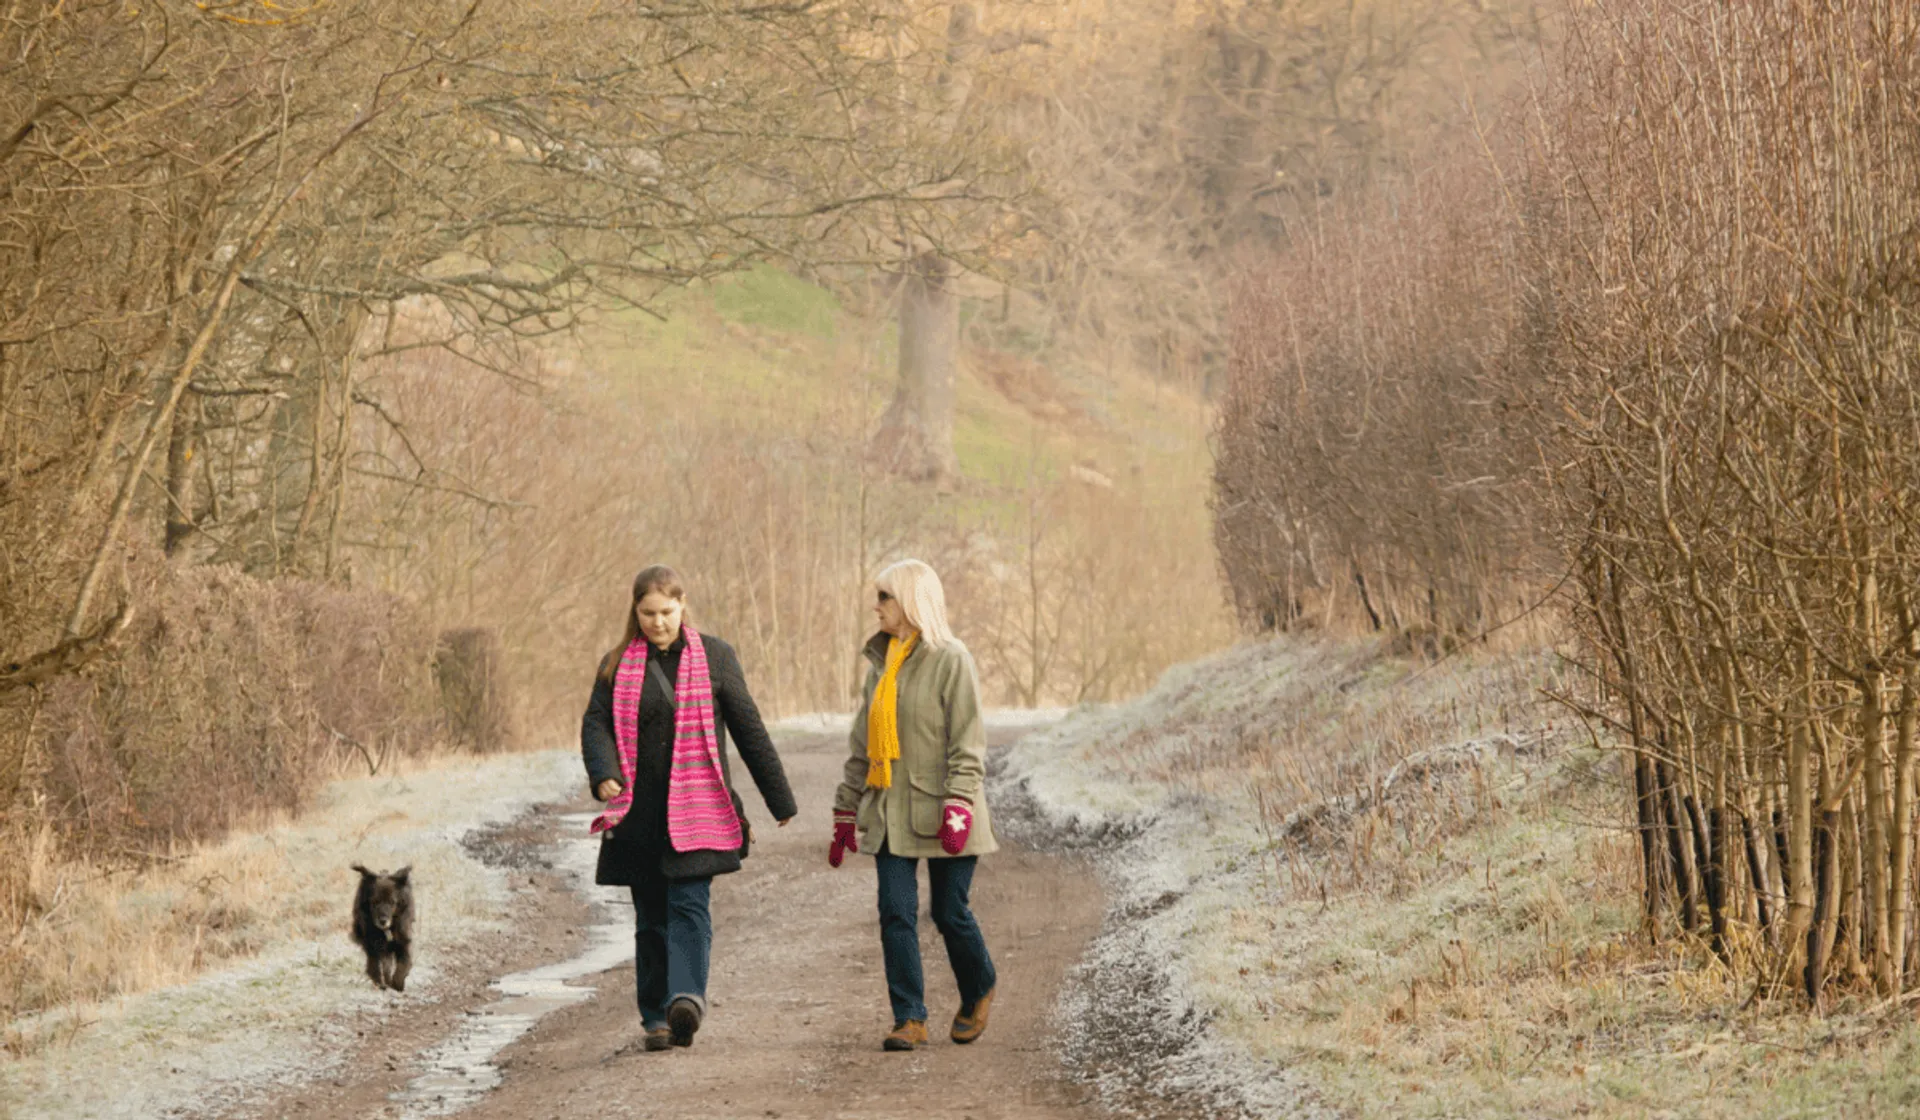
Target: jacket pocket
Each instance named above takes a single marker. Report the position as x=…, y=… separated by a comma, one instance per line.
x=924, y=806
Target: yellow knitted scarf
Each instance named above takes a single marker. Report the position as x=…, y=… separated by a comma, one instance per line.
x=883, y=718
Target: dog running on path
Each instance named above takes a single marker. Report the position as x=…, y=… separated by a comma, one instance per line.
x=383, y=925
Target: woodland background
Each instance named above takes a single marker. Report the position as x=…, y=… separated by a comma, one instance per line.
x=353, y=355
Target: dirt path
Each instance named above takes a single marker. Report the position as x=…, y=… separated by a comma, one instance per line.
x=798, y=1003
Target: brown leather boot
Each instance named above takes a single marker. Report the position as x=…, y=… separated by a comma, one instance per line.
x=683, y=1019
x=972, y=1021
x=909, y=1035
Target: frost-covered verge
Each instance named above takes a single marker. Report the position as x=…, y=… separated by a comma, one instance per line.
x=1343, y=882
x=1185, y=798
x=1101, y=781
x=286, y=1013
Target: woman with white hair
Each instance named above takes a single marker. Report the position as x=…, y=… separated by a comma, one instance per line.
x=913, y=790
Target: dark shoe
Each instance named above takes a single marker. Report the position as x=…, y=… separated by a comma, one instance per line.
x=909, y=1035
x=659, y=1038
x=971, y=1023
x=683, y=1018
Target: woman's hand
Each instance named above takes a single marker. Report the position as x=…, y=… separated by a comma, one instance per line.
x=956, y=824
x=607, y=790
x=782, y=822
x=846, y=837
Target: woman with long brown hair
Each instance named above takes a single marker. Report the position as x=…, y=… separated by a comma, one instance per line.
x=654, y=741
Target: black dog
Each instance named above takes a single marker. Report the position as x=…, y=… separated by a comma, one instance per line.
x=383, y=925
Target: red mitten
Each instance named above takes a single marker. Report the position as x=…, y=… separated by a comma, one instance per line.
x=956, y=824
x=845, y=837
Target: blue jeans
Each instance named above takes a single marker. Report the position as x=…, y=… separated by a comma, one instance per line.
x=950, y=880
x=672, y=937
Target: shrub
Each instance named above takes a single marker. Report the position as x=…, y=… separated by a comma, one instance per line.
x=227, y=696
x=467, y=669
x=1376, y=440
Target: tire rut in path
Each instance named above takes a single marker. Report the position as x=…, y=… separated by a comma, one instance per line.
x=547, y=922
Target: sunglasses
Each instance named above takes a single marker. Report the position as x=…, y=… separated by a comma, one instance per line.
x=885, y=597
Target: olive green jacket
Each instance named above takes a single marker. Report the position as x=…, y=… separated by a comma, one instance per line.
x=943, y=753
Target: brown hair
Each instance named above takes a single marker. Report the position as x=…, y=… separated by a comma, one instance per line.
x=657, y=577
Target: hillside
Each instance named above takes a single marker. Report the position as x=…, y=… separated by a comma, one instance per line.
x=725, y=432
x=781, y=356
x=725, y=436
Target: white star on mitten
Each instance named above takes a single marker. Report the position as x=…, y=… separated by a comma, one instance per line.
x=959, y=822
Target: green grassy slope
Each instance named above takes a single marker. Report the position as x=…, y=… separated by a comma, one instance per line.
x=777, y=355
x=1079, y=488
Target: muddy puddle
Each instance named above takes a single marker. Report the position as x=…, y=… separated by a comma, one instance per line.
x=461, y=1070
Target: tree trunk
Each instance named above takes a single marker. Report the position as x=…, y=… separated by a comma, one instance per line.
x=160, y=421
x=1679, y=850
x=1818, y=941
x=182, y=445
x=1732, y=812
x=1800, y=846
x=1782, y=861
x=1646, y=794
x=1611, y=614
x=1757, y=873
x=915, y=439
x=1703, y=863
x=1852, y=940
x=1720, y=870
x=1826, y=888
x=1875, y=856
x=1893, y=976
x=1366, y=598
x=323, y=468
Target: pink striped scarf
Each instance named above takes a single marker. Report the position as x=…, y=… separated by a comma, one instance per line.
x=699, y=810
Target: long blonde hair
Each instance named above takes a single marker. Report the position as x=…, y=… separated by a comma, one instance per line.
x=918, y=590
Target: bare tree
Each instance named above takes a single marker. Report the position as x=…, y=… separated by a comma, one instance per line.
x=1175, y=142
x=915, y=436
x=1378, y=435
x=1705, y=258
x=213, y=209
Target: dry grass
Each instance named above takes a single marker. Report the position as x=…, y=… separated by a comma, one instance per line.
x=1512, y=980
x=107, y=929
x=227, y=703
x=1465, y=941
x=756, y=397
x=286, y=888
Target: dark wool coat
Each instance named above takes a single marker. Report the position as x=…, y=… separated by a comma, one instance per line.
x=637, y=848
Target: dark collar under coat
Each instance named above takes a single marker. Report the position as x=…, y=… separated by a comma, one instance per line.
x=876, y=649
